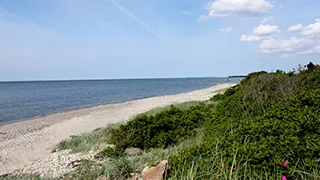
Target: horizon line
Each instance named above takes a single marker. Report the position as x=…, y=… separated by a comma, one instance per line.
x=110, y=79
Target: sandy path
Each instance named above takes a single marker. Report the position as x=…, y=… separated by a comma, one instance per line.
x=24, y=142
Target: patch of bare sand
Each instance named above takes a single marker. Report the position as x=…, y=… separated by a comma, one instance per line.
x=26, y=143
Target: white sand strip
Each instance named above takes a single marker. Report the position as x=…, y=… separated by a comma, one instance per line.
x=24, y=142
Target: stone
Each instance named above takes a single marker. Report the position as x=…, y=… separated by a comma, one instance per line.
x=135, y=176
x=156, y=173
x=133, y=151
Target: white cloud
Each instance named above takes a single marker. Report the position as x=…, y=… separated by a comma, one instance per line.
x=250, y=38
x=307, y=43
x=223, y=8
x=203, y=18
x=263, y=31
x=226, y=30
x=294, y=28
x=291, y=45
x=266, y=29
x=311, y=29
x=268, y=19
x=314, y=50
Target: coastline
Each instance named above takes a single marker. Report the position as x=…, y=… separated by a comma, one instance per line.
x=2, y=123
x=24, y=142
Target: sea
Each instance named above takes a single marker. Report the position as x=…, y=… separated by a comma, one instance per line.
x=25, y=100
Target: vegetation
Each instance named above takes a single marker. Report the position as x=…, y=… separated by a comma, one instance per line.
x=160, y=130
x=88, y=141
x=121, y=167
x=266, y=127
x=182, y=106
x=101, y=136
x=268, y=119
x=254, y=127
x=21, y=177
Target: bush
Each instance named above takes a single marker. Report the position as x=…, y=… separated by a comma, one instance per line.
x=113, y=152
x=267, y=119
x=160, y=130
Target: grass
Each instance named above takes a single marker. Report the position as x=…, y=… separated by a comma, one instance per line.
x=21, y=177
x=217, y=169
x=121, y=167
x=88, y=141
x=181, y=106
x=267, y=119
x=95, y=139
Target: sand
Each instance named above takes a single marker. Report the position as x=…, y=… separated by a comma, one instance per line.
x=26, y=142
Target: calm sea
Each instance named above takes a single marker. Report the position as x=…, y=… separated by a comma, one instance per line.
x=24, y=100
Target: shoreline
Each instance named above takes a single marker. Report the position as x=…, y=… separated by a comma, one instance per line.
x=25, y=142
x=92, y=106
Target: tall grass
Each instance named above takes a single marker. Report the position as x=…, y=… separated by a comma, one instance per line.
x=120, y=168
x=181, y=106
x=88, y=141
x=101, y=136
x=22, y=177
x=215, y=167
x=267, y=119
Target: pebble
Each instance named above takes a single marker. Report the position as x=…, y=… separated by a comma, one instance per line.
x=57, y=164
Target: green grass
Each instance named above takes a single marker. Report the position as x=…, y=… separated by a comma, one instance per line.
x=21, y=177
x=121, y=167
x=265, y=120
x=88, y=141
x=181, y=106
x=217, y=169
x=95, y=139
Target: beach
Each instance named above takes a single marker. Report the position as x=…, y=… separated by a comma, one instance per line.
x=22, y=143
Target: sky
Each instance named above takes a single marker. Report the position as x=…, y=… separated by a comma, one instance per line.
x=112, y=39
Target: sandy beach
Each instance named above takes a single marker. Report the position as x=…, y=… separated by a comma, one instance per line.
x=22, y=143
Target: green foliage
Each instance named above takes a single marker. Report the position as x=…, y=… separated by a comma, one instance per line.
x=217, y=97
x=160, y=130
x=182, y=106
x=228, y=92
x=87, y=141
x=267, y=119
x=21, y=177
x=113, y=152
x=116, y=169
x=248, y=132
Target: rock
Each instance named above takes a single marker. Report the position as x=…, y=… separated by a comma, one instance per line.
x=75, y=163
x=102, y=178
x=135, y=176
x=156, y=173
x=73, y=136
x=133, y=151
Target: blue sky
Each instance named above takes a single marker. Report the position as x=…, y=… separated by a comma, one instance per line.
x=102, y=39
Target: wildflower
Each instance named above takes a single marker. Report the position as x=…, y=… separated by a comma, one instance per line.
x=264, y=115
x=285, y=164
x=283, y=178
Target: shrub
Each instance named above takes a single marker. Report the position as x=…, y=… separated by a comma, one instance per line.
x=267, y=119
x=160, y=130
x=113, y=152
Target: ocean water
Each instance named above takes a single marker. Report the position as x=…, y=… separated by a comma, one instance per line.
x=24, y=100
